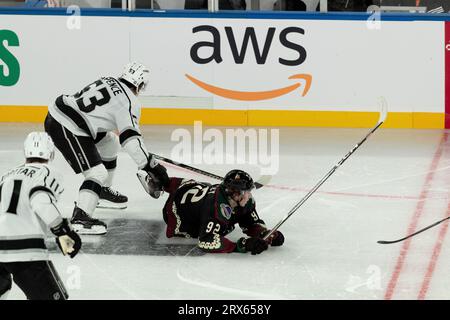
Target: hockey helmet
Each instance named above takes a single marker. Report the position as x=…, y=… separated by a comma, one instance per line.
x=237, y=181
x=137, y=75
x=39, y=145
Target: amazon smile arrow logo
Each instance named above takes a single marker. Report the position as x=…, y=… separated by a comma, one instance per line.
x=255, y=95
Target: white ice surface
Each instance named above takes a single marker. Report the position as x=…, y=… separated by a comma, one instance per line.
x=330, y=250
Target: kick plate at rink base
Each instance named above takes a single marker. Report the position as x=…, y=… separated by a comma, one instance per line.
x=135, y=237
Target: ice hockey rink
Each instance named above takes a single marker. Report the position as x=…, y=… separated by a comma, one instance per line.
x=395, y=183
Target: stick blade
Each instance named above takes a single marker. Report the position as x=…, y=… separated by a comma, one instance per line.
x=262, y=181
x=383, y=109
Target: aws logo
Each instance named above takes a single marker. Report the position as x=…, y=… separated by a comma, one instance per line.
x=261, y=53
x=11, y=77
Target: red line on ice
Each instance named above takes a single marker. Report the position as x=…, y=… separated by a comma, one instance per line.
x=447, y=75
x=415, y=219
x=433, y=261
x=297, y=189
x=434, y=257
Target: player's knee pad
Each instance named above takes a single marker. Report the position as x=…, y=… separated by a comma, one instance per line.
x=108, y=147
x=95, y=177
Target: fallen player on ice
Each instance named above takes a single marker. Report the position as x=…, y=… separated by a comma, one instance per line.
x=209, y=212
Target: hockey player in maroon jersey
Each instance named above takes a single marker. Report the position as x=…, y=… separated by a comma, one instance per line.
x=210, y=212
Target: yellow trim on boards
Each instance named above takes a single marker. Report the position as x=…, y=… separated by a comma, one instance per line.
x=276, y=118
x=22, y=113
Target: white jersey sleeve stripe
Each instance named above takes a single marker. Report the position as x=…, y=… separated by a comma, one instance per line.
x=19, y=237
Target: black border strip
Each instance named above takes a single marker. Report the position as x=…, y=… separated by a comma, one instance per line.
x=22, y=244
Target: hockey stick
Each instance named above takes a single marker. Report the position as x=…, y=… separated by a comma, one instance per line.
x=383, y=114
x=413, y=234
x=258, y=184
x=62, y=288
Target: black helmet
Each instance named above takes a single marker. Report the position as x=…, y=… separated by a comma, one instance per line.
x=238, y=180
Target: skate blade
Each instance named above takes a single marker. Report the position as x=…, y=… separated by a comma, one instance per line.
x=105, y=204
x=96, y=230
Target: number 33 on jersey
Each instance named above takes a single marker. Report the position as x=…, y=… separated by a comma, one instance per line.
x=102, y=106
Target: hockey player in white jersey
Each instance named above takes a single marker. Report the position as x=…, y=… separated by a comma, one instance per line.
x=83, y=128
x=28, y=208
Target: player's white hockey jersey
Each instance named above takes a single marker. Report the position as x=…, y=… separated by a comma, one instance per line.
x=103, y=106
x=29, y=194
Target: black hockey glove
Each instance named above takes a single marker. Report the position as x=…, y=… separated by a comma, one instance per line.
x=158, y=171
x=253, y=245
x=68, y=241
x=276, y=239
x=150, y=183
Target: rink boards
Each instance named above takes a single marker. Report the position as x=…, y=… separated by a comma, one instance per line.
x=256, y=69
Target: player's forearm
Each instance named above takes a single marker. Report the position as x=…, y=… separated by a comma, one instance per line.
x=135, y=147
x=45, y=208
x=254, y=230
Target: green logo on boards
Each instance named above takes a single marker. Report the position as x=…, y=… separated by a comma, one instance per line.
x=9, y=65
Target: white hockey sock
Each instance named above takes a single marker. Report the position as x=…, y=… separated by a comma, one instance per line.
x=109, y=179
x=91, y=187
x=87, y=201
